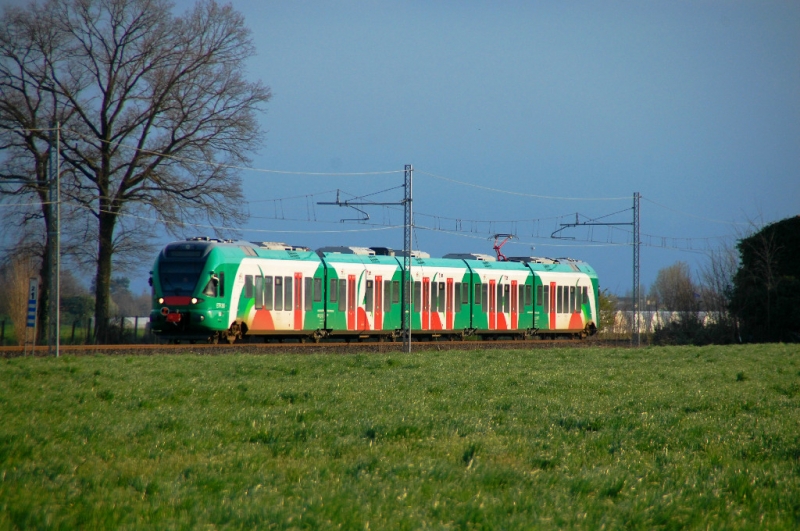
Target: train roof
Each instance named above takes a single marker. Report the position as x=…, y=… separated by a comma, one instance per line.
x=471, y=256
x=341, y=258
x=366, y=251
x=199, y=247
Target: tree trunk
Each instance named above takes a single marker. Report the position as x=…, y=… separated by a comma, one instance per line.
x=105, y=253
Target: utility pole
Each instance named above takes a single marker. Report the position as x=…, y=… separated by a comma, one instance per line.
x=636, y=244
x=54, y=241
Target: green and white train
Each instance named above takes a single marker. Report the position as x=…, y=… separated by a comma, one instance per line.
x=211, y=290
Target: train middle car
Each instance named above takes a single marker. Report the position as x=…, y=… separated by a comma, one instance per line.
x=213, y=290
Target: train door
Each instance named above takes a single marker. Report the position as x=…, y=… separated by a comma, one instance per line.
x=449, y=304
x=426, y=303
x=514, y=308
x=378, y=315
x=298, y=301
x=492, y=304
x=552, y=306
x=351, y=302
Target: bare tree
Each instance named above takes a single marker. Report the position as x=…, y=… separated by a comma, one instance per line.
x=156, y=113
x=716, y=278
x=674, y=289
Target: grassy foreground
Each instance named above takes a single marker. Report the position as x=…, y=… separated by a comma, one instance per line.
x=658, y=438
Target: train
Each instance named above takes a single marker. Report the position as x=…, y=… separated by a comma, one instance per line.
x=213, y=290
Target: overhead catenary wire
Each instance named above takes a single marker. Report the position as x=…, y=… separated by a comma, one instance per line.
x=688, y=244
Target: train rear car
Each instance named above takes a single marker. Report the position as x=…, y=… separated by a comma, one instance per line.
x=566, y=296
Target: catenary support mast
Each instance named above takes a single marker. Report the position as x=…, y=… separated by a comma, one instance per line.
x=408, y=222
x=636, y=243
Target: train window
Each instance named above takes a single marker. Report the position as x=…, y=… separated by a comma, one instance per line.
x=521, y=298
x=369, y=295
x=317, y=290
x=221, y=284
x=434, y=296
x=442, y=293
x=457, y=296
x=506, y=297
x=211, y=289
x=559, y=299
x=528, y=295
x=578, y=299
x=259, y=292
x=417, y=295
x=248, y=286
x=278, y=293
x=333, y=290
x=464, y=293
x=267, y=293
x=544, y=300
x=342, y=295
x=309, y=295
x=484, y=298
x=572, y=300
x=585, y=295
x=499, y=296
x=477, y=293
x=395, y=291
x=539, y=295
x=287, y=294
x=387, y=295
x=566, y=299
x=179, y=278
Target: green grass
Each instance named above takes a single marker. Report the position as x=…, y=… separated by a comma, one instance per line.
x=658, y=438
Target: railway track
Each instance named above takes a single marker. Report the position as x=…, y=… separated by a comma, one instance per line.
x=151, y=349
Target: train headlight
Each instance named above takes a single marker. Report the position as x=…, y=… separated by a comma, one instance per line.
x=194, y=300
x=161, y=300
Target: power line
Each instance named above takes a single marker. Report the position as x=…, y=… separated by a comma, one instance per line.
x=523, y=194
x=693, y=215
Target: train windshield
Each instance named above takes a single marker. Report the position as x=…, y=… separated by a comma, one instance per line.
x=179, y=278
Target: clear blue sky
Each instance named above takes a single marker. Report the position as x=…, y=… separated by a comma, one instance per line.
x=696, y=105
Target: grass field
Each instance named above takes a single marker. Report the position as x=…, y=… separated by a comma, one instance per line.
x=657, y=438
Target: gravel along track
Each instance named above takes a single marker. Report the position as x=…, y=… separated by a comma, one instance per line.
x=305, y=348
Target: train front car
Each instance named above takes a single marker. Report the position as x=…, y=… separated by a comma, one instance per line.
x=189, y=295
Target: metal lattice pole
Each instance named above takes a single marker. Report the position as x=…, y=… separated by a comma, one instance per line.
x=407, y=242
x=636, y=243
